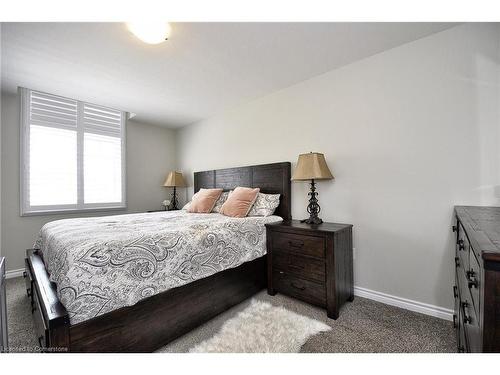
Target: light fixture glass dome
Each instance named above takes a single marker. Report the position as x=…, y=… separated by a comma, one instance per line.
x=149, y=31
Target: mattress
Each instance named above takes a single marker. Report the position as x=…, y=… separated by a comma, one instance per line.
x=101, y=264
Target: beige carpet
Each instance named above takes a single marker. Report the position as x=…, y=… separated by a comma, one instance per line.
x=363, y=326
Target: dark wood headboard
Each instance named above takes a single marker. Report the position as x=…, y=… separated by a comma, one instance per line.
x=270, y=178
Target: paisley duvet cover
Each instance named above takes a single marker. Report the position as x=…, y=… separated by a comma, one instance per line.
x=103, y=263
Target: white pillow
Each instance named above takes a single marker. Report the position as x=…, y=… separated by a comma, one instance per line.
x=265, y=205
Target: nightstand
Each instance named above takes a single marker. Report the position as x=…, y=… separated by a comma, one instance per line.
x=311, y=263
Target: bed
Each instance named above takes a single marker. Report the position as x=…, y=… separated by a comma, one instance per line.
x=136, y=282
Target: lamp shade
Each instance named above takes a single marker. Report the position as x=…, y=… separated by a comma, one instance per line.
x=312, y=166
x=174, y=179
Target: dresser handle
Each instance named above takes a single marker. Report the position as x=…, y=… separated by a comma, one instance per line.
x=467, y=319
x=454, y=228
x=298, y=287
x=25, y=274
x=471, y=277
x=461, y=245
x=473, y=284
x=297, y=245
x=457, y=262
x=455, y=294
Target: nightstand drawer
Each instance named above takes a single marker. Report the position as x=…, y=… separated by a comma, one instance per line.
x=296, y=287
x=305, y=267
x=300, y=244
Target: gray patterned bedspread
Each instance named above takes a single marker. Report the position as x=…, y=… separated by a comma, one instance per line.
x=103, y=263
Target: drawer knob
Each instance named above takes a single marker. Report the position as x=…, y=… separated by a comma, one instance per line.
x=457, y=262
x=454, y=228
x=455, y=294
x=461, y=245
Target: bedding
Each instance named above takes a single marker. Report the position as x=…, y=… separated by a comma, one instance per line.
x=220, y=201
x=265, y=205
x=101, y=264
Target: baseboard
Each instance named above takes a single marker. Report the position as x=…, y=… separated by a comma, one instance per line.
x=404, y=303
x=14, y=273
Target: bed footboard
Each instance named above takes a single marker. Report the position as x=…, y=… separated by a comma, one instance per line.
x=145, y=326
x=49, y=315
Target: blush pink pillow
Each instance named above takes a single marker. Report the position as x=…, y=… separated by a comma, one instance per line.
x=239, y=202
x=204, y=201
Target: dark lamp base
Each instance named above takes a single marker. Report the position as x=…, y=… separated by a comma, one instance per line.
x=313, y=207
x=312, y=220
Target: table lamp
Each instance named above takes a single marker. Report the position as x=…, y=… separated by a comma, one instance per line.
x=175, y=180
x=312, y=166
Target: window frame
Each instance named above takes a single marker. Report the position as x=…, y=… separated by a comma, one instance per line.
x=25, y=208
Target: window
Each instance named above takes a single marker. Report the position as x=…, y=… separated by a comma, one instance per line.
x=73, y=155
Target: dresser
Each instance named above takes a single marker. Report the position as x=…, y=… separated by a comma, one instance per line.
x=476, y=289
x=311, y=263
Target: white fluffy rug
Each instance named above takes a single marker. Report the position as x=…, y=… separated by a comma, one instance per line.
x=262, y=328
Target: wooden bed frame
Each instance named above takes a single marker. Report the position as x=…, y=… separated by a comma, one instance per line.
x=159, y=319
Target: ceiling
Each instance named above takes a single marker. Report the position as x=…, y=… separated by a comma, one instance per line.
x=203, y=69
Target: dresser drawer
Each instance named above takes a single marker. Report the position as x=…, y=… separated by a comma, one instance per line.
x=41, y=331
x=305, y=290
x=28, y=279
x=474, y=280
x=463, y=247
x=463, y=346
x=471, y=327
x=300, y=244
x=304, y=267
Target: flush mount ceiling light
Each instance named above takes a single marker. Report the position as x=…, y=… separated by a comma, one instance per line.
x=150, y=32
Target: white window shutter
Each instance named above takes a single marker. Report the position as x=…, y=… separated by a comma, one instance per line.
x=72, y=155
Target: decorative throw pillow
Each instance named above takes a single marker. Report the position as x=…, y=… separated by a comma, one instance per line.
x=204, y=200
x=239, y=202
x=265, y=205
x=220, y=201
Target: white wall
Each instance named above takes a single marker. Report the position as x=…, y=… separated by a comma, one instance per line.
x=150, y=156
x=408, y=133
